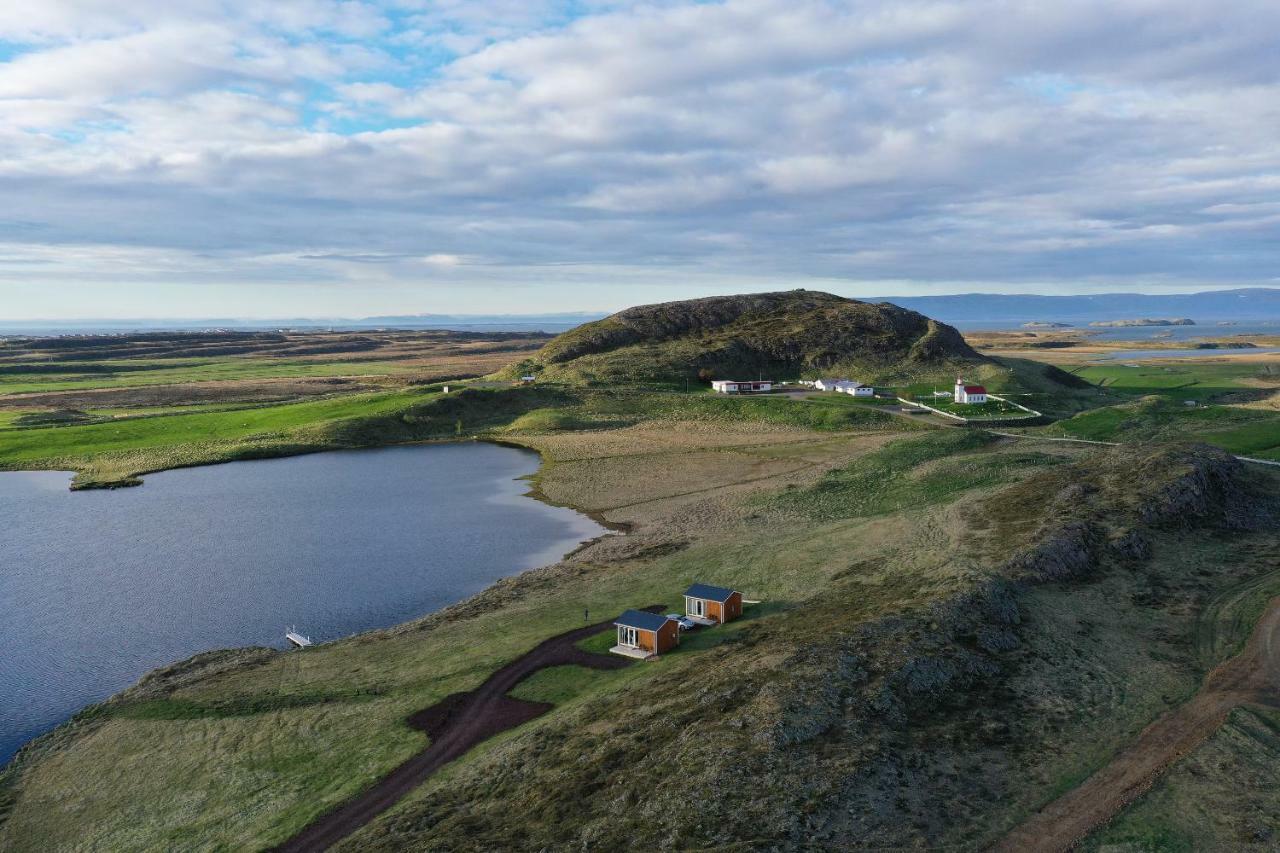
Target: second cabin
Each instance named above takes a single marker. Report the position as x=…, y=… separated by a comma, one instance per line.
x=644, y=635
x=712, y=605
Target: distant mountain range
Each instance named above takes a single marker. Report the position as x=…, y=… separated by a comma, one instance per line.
x=971, y=310
x=975, y=309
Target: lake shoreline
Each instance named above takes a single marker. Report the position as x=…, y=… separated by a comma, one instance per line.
x=202, y=660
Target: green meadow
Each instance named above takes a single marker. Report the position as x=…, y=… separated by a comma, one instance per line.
x=138, y=433
x=143, y=372
x=1179, y=379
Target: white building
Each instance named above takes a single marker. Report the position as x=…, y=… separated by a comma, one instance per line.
x=733, y=386
x=969, y=393
x=857, y=389
x=830, y=384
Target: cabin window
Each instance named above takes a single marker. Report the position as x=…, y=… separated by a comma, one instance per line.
x=627, y=636
x=697, y=607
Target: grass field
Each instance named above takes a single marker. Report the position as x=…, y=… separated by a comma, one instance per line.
x=133, y=374
x=1248, y=432
x=133, y=434
x=1181, y=380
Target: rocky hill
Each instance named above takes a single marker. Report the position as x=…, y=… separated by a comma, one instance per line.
x=776, y=335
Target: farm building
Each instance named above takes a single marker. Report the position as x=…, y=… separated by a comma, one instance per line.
x=969, y=393
x=732, y=386
x=709, y=605
x=830, y=384
x=644, y=635
x=857, y=389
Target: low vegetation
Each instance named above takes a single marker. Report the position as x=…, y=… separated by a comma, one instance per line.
x=916, y=472
x=1246, y=431
x=953, y=628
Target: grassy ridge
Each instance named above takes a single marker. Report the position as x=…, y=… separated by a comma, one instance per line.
x=899, y=476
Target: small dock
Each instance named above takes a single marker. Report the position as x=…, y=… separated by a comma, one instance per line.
x=297, y=640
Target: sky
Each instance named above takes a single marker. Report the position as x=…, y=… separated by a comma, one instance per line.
x=364, y=157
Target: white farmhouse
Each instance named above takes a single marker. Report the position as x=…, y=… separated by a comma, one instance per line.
x=969, y=393
x=731, y=386
x=857, y=389
x=830, y=384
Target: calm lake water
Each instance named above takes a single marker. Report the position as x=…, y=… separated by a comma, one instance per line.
x=97, y=588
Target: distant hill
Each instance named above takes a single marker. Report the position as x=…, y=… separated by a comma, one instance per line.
x=974, y=309
x=774, y=335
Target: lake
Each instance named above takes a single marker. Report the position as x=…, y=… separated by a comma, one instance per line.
x=98, y=587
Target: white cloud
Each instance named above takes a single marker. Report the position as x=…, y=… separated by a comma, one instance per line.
x=921, y=140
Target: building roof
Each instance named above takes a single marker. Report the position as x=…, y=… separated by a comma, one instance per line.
x=975, y=389
x=710, y=593
x=641, y=619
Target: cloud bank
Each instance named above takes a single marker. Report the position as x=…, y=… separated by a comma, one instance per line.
x=418, y=155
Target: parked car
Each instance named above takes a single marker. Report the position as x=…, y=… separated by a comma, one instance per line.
x=684, y=622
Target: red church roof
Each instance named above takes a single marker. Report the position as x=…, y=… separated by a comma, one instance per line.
x=975, y=389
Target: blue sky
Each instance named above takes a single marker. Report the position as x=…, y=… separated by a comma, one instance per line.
x=360, y=157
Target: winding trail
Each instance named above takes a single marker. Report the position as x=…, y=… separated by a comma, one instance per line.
x=455, y=724
x=1250, y=678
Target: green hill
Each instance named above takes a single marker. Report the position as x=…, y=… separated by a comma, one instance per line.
x=777, y=335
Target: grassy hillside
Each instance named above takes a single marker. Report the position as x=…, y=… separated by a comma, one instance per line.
x=779, y=335
x=944, y=621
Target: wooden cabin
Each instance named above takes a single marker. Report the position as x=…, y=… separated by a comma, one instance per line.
x=645, y=635
x=712, y=605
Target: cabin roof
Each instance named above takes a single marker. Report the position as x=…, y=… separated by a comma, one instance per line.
x=641, y=620
x=710, y=593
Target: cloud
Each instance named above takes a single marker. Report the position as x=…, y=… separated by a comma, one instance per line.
x=994, y=141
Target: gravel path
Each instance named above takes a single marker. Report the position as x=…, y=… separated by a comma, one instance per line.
x=1251, y=677
x=455, y=724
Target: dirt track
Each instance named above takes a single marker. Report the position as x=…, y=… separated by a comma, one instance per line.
x=455, y=724
x=1251, y=677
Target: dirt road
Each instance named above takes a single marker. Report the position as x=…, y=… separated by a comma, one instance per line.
x=455, y=724
x=1251, y=677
